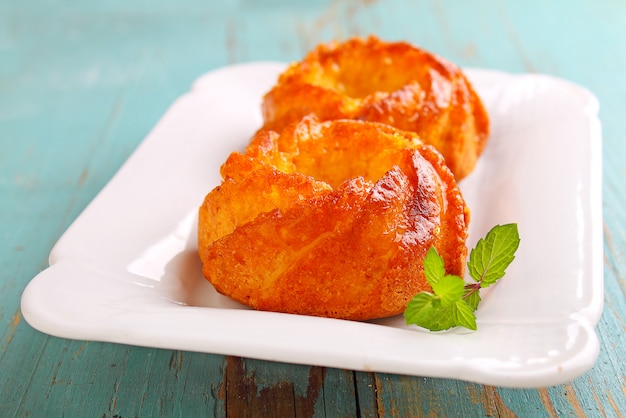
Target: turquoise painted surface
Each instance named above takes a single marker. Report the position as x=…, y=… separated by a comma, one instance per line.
x=82, y=83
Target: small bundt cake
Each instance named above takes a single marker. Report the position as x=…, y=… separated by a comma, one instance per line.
x=331, y=219
x=394, y=83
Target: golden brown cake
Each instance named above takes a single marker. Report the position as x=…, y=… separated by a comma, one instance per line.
x=394, y=83
x=331, y=219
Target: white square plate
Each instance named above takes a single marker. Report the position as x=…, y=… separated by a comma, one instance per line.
x=127, y=271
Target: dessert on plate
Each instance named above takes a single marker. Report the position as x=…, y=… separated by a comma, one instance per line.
x=331, y=219
x=395, y=83
x=332, y=207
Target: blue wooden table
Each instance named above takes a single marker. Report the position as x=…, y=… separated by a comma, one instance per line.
x=82, y=83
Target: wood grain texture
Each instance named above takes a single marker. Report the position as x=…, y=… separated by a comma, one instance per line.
x=82, y=83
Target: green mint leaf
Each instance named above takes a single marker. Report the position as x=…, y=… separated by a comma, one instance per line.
x=493, y=254
x=450, y=289
x=472, y=300
x=453, y=302
x=433, y=267
x=426, y=310
x=464, y=315
x=441, y=320
x=421, y=308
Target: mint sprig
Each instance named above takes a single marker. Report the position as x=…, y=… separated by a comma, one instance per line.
x=453, y=302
